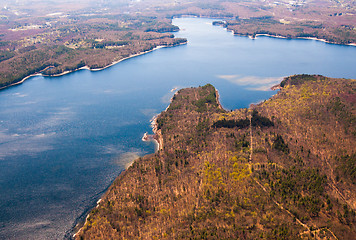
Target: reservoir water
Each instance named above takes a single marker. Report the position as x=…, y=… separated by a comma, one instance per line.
x=63, y=140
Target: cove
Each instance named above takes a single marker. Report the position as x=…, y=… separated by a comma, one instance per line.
x=63, y=140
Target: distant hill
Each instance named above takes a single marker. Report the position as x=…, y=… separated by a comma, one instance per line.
x=282, y=169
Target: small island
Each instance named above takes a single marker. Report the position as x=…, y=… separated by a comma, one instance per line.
x=281, y=169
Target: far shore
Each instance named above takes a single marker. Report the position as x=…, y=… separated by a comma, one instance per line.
x=88, y=68
x=283, y=37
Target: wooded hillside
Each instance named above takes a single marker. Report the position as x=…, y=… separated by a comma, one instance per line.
x=282, y=169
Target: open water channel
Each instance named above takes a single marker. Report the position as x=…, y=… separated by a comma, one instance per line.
x=63, y=140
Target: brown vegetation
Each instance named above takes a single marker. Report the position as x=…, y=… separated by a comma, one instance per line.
x=66, y=36
x=269, y=25
x=95, y=43
x=283, y=176
x=332, y=21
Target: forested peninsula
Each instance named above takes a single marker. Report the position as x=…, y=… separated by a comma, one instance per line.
x=281, y=169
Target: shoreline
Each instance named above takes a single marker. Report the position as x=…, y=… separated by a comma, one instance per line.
x=293, y=38
x=21, y=81
x=86, y=218
x=158, y=140
x=218, y=99
x=126, y=191
x=157, y=135
x=87, y=68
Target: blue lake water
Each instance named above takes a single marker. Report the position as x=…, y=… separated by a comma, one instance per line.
x=63, y=140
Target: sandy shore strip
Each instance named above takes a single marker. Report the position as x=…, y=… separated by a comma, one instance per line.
x=306, y=38
x=86, y=219
x=157, y=135
x=24, y=79
x=87, y=68
x=218, y=99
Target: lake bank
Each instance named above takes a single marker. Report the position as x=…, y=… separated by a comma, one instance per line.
x=88, y=125
x=87, y=68
x=208, y=163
